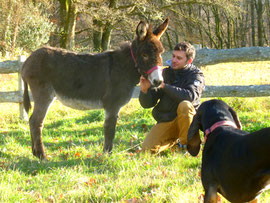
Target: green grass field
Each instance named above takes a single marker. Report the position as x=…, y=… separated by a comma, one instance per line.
x=78, y=171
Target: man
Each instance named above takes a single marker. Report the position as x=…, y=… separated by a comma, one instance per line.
x=175, y=101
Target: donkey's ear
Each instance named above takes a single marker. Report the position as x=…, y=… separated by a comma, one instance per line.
x=235, y=118
x=161, y=29
x=193, y=139
x=142, y=30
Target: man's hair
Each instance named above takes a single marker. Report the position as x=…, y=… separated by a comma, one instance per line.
x=186, y=47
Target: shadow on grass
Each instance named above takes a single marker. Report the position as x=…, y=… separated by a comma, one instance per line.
x=35, y=167
x=92, y=116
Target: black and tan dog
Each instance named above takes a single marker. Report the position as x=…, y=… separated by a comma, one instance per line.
x=235, y=163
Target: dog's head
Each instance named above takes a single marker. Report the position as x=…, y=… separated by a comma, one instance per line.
x=208, y=113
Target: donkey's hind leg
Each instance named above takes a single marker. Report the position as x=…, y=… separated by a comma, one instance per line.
x=43, y=96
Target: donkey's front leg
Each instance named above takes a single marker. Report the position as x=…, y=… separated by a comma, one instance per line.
x=109, y=130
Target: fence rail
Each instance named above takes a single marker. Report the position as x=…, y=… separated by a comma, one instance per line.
x=229, y=91
x=7, y=67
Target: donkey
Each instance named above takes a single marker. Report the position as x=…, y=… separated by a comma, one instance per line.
x=86, y=81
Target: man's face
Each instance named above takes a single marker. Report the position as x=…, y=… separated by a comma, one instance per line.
x=179, y=59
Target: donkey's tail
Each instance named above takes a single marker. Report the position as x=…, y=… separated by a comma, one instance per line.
x=26, y=98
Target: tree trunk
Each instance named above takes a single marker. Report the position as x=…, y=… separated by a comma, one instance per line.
x=15, y=34
x=68, y=14
x=200, y=27
x=5, y=36
x=72, y=15
x=102, y=34
x=208, y=30
x=97, y=35
x=218, y=26
x=244, y=25
x=267, y=8
x=252, y=19
x=169, y=41
x=106, y=37
x=229, y=32
x=16, y=29
x=259, y=8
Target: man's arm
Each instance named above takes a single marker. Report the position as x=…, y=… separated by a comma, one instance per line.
x=191, y=92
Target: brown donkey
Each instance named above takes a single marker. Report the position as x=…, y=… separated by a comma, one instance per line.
x=85, y=81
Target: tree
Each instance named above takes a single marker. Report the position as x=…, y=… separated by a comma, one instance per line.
x=259, y=9
x=252, y=12
x=23, y=25
x=68, y=14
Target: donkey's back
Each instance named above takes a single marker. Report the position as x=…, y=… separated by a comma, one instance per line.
x=68, y=75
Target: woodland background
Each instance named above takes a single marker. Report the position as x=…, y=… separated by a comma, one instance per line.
x=99, y=25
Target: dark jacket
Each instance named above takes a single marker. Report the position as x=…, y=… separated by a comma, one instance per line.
x=185, y=84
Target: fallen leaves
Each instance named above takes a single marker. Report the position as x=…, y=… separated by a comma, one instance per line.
x=145, y=128
x=91, y=182
x=3, y=165
x=132, y=200
x=77, y=154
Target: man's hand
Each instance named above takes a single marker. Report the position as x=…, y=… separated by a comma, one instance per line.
x=145, y=84
x=162, y=85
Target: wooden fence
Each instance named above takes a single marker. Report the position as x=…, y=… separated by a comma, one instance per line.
x=7, y=67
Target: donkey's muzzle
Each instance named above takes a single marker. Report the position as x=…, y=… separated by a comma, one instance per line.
x=155, y=77
x=156, y=83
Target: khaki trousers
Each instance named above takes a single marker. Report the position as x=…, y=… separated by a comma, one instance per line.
x=165, y=134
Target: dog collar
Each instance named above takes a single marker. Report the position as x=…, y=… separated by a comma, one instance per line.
x=216, y=125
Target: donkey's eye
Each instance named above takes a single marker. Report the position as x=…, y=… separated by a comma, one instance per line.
x=145, y=57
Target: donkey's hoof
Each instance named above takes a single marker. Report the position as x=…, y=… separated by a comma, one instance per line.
x=40, y=155
x=107, y=149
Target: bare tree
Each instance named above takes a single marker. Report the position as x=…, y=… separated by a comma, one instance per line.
x=68, y=14
x=252, y=19
x=259, y=9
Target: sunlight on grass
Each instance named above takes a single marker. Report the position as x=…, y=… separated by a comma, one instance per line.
x=244, y=73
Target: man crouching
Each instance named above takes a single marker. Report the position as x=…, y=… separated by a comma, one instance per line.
x=175, y=101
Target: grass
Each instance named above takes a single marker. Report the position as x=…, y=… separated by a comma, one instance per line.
x=77, y=171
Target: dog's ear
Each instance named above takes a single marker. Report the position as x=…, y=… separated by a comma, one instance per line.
x=235, y=118
x=193, y=139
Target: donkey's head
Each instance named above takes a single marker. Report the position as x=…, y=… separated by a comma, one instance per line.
x=148, y=51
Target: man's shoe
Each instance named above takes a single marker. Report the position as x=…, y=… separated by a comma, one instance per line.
x=178, y=147
x=181, y=146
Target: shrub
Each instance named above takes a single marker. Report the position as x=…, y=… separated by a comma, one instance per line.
x=35, y=28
